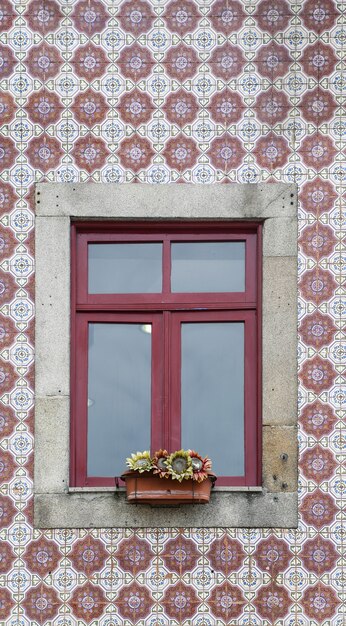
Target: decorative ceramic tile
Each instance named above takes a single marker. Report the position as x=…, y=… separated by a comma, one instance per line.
x=164, y=91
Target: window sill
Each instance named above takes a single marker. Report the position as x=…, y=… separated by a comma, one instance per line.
x=109, y=509
x=123, y=489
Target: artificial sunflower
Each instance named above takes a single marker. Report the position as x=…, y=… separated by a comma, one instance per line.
x=140, y=462
x=179, y=465
x=159, y=463
x=200, y=466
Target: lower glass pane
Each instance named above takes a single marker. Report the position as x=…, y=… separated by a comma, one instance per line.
x=212, y=393
x=119, y=395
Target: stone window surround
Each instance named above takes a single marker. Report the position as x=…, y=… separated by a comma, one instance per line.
x=275, y=504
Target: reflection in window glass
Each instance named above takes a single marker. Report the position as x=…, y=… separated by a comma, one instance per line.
x=125, y=268
x=119, y=395
x=212, y=393
x=208, y=266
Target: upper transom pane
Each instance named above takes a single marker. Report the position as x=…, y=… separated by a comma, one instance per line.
x=211, y=266
x=125, y=268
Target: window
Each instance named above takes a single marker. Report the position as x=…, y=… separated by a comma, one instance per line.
x=273, y=501
x=166, y=334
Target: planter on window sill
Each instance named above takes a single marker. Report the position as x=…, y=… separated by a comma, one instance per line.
x=146, y=488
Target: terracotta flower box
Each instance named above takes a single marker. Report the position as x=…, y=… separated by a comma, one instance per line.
x=146, y=488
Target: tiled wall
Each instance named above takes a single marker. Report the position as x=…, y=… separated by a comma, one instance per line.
x=176, y=91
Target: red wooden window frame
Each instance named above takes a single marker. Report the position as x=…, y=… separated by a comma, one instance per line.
x=165, y=311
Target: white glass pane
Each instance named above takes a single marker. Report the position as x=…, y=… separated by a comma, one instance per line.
x=119, y=395
x=125, y=267
x=212, y=393
x=208, y=266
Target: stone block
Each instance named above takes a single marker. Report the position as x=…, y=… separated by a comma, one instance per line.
x=52, y=428
x=280, y=458
x=187, y=201
x=52, y=361
x=279, y=342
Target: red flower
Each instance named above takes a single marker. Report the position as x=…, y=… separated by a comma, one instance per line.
x=7, y=424
x=318, y=555
x=7, y=421
x=273, y=16
x=226, y=153
x=8, y=378
x=88, y=555
x=318, y=15
x=272, y=60
x=7, y=511
x=135, y=107
x=272, y=555
x=134, y=555
x=318, y=196
x=180, y=602
x=8, y=288
x=8, y=197
x=318, y=509
x=90, y=61
x=181, y=152
x=181, y=62
x=272, y=106
x=181, y=16
x=90, y=107
x=43, y=16
x=44, y=153
x=7, y=557
x=317, y=330
x=317, y=464
x=226, y=602
x=180, y=555
x=181, y=107
x=43, y=61
x=44, y=107
x=320, y=602
x=88, y=602
x=317, y=285
x=42, y=556
x=318, y=106
x=227, y=16
x=136, y=16
x=90, y=153
x=226, y=555
x=8, y=153
x=90, y=16
x=6, y=603
x=317, y=151
x=7, y=326
x=272, y=602
x=227, y=61
x=8, y=465
x=317, y=419
x=135, y=62
x=41, y=603
x=318, y=60
x=7, y=15
x=271, y=151
x=7, y=61
x=317, y=374
x=135, y=153
x=134, y=602
x=226, y=107
x=8, y=107
x=317, y=240
x=8, y=243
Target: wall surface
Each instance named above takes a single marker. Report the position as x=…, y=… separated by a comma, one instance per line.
x=177, y=91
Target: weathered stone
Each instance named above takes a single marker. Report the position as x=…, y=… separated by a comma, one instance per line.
x=280, y=458
x=227, y=510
